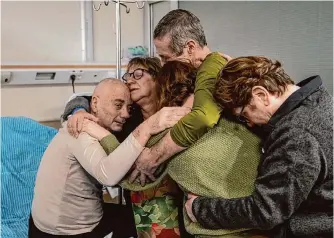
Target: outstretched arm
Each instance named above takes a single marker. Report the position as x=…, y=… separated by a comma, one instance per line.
x=287, y=175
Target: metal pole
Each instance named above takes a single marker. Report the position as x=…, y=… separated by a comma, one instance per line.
x=89, y=31
x=118, y=40
x=83, y=31
x=151, y=49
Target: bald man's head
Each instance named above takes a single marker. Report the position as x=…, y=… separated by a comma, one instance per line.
x=110, y=103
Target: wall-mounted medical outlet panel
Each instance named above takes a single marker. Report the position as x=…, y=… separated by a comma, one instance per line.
x=17, y=77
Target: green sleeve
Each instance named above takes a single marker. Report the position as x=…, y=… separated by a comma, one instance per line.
x=109, y=143
x=205, y=113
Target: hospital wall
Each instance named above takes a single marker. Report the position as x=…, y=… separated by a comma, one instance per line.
x=298, y=33
x=49, y=32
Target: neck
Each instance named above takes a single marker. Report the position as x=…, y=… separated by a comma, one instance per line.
x=148, y=106
x=290, y=90
x=148, y=110
x=203, y=53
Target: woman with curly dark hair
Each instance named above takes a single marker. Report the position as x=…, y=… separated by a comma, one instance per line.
x=176, y=82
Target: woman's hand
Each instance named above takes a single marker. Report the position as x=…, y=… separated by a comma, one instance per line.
x=161, y=120
x=94, y=129
x=165, y=118
x=75, y=122
x=227, y=57
x=189, y=207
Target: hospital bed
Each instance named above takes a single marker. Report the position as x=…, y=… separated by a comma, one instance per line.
x=23, y=142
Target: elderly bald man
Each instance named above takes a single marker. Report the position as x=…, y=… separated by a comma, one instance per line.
x=68, y=191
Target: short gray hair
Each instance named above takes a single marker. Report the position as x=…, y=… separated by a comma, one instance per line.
x=181, y=26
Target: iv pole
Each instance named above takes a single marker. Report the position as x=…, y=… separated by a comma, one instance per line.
x=118, y=27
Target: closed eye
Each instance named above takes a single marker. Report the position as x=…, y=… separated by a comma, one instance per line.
x=118, y=106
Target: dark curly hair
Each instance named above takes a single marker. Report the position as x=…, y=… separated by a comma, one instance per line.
x=176, y=82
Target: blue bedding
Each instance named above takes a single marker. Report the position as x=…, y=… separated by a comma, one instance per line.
x=23, y=142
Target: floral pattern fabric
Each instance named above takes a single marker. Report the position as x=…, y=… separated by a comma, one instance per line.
x=156, y=211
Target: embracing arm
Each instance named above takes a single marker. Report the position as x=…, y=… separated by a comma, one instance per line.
x=110, y=169
x=81, y=102
x=287, y=175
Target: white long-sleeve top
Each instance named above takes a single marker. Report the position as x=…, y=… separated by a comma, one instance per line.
x=68, y=189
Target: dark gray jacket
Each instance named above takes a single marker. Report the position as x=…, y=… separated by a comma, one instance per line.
x=294, y=189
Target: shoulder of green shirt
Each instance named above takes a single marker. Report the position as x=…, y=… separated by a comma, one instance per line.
x=209, y=69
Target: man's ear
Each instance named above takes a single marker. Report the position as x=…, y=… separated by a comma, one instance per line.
x=93, y=104
x=260, y=93
x=191, y=47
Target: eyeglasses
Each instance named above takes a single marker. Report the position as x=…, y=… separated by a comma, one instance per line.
x=241, y=118
x=137, y=74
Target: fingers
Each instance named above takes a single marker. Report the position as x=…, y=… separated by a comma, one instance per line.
x=191, y=195
x=172, y=120
x=171, y=115
x=151, y=176
x=170, y=123
x=176, y=109
x=142, y=179
x=79, y=125
x=77, y=121
x=181, y=111
x=175, y=118
x=91, y=117
x=134, y=175
x=227, y=57
x=71, y=125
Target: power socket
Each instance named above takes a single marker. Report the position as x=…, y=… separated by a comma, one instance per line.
x=78, y=74
x=6, y=77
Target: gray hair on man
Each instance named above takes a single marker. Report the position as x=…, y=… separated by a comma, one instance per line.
x=180, y=25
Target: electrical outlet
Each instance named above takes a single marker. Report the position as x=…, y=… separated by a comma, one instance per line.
x=6, y=77
x=78, y=74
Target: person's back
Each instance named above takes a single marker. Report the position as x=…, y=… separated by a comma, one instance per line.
x=314, y=115
x=294, y=188
x=63, y=188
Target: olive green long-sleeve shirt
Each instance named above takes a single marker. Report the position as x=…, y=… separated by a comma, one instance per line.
x=205, y=113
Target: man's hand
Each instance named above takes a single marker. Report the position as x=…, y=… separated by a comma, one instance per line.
x=149, y=160
x=75, y=122
x=227, y=57
x=189, y=207
x=146, y=165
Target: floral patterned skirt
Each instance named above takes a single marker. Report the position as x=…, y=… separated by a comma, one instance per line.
x=156, y=211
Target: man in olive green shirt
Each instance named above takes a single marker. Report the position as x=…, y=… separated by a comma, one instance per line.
x=179, y=35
